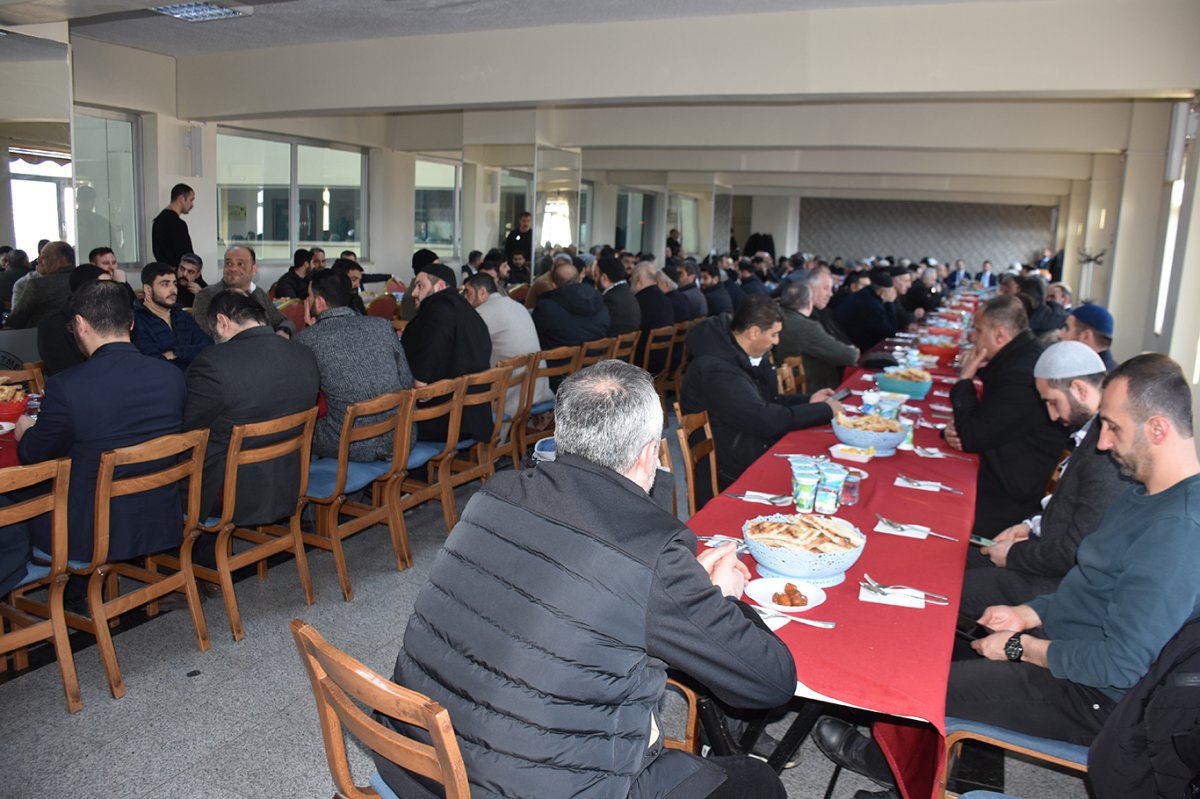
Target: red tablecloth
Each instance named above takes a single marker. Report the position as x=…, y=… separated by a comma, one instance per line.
x=8, y=451
x=883, y=658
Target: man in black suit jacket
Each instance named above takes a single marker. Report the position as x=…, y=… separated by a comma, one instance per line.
x=116, y=398
x=1031, y=557
x=624, y=314
x=447, y=338
x=251, y=375
x=656, y=311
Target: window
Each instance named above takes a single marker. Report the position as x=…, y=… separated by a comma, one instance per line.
x=435, y=202
x=585, y=215
x=258, y=179
x=40, y=182
x=106, y=184
x=683, y=214
x=516, y=198
x=635, y=221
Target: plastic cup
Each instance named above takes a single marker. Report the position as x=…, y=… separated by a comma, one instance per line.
x=804, y=491
x=851, y=490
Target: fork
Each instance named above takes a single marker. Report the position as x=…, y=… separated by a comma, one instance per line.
x=780, y=500
x=899, y=526
x=873, y=584
x=940, y=486
x=768, y=613
x=934, y=452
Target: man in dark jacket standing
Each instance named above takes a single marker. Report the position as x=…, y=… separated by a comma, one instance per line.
x=577, y=590
x=1017, y=443
x=169, y=235
x=624, y=314
x=731, y=377
x=447, y=338
x=570, y=313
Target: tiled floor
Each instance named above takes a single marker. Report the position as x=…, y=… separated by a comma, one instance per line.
x=239, y=720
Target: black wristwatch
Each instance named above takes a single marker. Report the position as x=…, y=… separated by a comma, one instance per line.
x=1013, y=649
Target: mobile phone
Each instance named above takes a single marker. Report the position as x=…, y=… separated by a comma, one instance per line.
x=969, y=629
x=980, y=541
x=841, y=395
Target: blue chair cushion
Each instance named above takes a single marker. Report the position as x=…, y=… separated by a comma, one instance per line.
x=541, y=407
x=382, y=788
x=39, y=555
x=466, y=443
x=322, y=475
x=422, y=452
x=33, y=571
x=1060, y=749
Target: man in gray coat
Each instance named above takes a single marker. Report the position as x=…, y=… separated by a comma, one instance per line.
x=359, y=357
x=824, y=356
x=44, y=292
x=241, y=268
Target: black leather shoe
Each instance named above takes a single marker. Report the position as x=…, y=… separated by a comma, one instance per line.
x=845, y=745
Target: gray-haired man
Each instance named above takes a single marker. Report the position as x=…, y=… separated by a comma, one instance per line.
x=561, y=597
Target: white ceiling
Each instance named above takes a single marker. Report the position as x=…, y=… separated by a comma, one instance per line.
x=290, y=22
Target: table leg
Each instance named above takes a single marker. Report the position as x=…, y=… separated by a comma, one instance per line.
x=806, y=719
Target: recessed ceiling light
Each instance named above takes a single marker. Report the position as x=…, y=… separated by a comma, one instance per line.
x=201, y=12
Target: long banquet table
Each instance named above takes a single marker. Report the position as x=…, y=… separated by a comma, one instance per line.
x=888, y=659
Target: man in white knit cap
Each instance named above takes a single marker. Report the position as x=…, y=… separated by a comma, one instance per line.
x=1029, y=558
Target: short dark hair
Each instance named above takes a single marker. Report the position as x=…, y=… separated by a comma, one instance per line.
x=795, y=295
x=348, y=254
x=757, y=310
x=105, y=306
x=482, y=280
x=181, y=190
x=1156, y=387
x=1095, y=380
x=711, y=268
x=611, y=268
x=316, y=250
x=154, y=270
x=1007, y=312
x=64, y=250
x=96, y=253
x=345, y=265
x=524, y=214
x=333, y=286
x=247, y=248
x=192, y=258
x=474, y=255
x=300, y=257
x=495, y=256
x=240, y=308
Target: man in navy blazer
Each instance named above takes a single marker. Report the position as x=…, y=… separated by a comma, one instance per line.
x=116, y=398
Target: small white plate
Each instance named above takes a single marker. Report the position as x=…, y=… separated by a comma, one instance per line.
x=861, y=474
x=6, y=427
x=762, y=589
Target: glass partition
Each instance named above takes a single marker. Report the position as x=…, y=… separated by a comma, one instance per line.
x=683, y=214
x=556, y=221
x=635, y=221
x=106, y=184
x=498, y=187
x=722, y=226
x=36, y=197
x=330, y=190
x=435, y=201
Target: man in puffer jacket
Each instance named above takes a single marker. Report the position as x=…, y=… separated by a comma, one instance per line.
x=559, y=601
x=571, y=313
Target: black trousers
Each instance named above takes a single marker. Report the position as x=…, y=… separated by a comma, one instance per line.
x=1026, y=698
x=746, y=777
x=985, y=585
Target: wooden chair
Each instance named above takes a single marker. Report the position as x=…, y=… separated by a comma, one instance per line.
x=340, y=685
x=626, y=347
x=551, y=364
x=690, y=742
x=184, y=455
x=398, y=325
x=790, y=374
x=672, y=382
x=664, y=460
x=518, y=398
x=383, y=306
x=1046, y=750
x=31, y=375
x=27, y=630
x=260, y=442
x=478, y=460
x=1052, y=482
x=659, y=340
x=331, y=479
x=591, y=352
x=693, y=454
x=294, y=310
x=443, y=398
x=395, y=286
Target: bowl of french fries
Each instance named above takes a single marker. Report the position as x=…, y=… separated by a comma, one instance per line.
x=905, y=380
x=13, y=401
x=868, y=431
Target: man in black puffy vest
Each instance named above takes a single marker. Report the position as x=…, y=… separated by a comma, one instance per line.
x=558, y=602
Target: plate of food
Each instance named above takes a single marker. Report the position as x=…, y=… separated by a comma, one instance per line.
x=817, y=549
x=785, y=594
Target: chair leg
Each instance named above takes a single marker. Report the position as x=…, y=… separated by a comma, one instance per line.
x=397, y=529
x=306, y=584
x=108, y=653
x=62, y=646
x=193, y=595
x=151, y=566
x=226, y=578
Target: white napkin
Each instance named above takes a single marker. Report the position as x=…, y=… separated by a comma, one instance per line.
x=945, y=394
x=909, y=531
x=920, y=485
x=931, y=452
x=774, y=622
x=903, y=599
x=939, y=407
x=855, y=408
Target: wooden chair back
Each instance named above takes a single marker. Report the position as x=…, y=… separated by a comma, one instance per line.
x=260, y=442
x=294, y=311
x=591, y=352
x=664, y=460
x=488, y=388
x=54, y=479
x=1052, y=482
x=341, y=684
x=398, y=407
x=443, y=398
x=626, y=346
x=558, y=362
x=395, y=286
x=518, y=399
x=694, y=453
x=658, y=340
x=790, y=374
x=31, y=375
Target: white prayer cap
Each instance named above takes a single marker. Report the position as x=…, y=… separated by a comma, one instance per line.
x=1067, y=359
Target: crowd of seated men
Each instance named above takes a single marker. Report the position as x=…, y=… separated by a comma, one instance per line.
x=1121, y=522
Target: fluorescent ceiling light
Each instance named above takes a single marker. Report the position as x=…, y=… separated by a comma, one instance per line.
x=201, y=12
